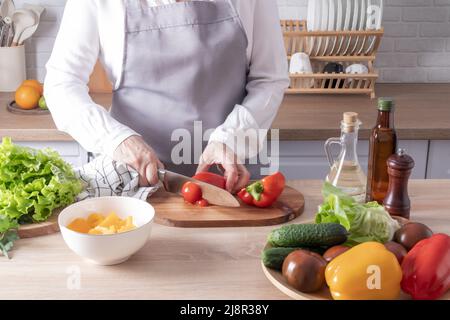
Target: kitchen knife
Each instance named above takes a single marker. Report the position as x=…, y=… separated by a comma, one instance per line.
x=173, y=183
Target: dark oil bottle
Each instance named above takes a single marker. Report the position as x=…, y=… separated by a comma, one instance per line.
x=383, y=144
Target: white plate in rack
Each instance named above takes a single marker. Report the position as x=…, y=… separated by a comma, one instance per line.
x=339, y=26
x=330, y=42
x=354, y=25
x=323, y=26
x=374, y=20
x=347, y=11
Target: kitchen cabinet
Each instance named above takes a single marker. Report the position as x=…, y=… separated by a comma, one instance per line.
x=70, y=151
x=307, y=160
x=439, y=160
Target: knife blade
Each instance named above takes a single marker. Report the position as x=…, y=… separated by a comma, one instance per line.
x=173, y=183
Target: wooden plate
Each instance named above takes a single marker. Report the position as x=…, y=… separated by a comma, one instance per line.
x=40, y=229
x=277, y=279
x=14, y=108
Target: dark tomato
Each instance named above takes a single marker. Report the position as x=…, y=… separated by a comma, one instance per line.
x=305, y=270
x=202, y=203
x=334, y=251
x=191, y=192
x=211, y=178
x=411, y=233
x=397, y=249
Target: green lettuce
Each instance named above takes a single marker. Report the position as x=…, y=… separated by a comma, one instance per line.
x=365, y=222
x=33, y=183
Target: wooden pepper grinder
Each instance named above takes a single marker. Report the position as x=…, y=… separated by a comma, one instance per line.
x=397, y=201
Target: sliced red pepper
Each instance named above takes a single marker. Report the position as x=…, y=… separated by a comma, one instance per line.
x=211, y=178
x=426, y=268
x=265, y=192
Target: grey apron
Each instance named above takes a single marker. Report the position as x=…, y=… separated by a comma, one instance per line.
x=183, y=62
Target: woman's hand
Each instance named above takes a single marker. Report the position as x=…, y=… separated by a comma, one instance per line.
x=236, y=174
x=135, y=152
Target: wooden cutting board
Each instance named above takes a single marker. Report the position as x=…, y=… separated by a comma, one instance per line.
x=40, y=229
x=171, y=210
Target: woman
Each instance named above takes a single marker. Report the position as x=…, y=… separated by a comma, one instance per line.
x=172, y=63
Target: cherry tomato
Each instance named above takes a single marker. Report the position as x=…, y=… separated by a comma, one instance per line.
x=191, y=192
x=245, y=197
x=202, y=203
x=211, y=178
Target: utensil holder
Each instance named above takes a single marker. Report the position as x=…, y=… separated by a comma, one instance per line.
x=12, y=68
x=345, y=47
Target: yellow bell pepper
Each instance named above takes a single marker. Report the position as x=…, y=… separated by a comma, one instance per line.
x=366, y=272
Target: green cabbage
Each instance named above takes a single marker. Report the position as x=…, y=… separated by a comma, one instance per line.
x=365, y=222
x=33, y=183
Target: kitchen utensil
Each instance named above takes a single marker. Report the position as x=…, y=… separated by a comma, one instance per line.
x=7, y=24
x=333, y=67
x=14, y=108
x=7, y=8
x=356, y=68
x=397, y=202
x=108, y=249
x=22, y=19
x=28, y=32
x=171, y=210
x=300, y=63
x=12, y=68
x=173, y=182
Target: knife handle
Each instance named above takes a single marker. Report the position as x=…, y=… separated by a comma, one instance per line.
x=162, y=177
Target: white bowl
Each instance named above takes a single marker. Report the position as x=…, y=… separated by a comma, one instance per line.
x=108, y=249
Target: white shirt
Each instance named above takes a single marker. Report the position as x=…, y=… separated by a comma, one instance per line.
x=92, y=29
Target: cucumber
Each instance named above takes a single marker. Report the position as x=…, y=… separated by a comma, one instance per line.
x=308, y=235
x=274, y=257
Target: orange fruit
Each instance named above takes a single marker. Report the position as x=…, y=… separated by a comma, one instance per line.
x=27, y=97
x=34, y=83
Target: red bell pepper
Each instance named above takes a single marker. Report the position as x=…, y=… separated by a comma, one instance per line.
x=426, y=268
x=265, y=192
x=211, y=178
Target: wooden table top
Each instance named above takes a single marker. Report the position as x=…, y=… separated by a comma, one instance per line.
x=181, y=263
x=423, y=113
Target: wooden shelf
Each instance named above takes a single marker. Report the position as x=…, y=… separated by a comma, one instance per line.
x=322, y=47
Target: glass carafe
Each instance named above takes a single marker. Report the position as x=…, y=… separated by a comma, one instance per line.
x=346, y=172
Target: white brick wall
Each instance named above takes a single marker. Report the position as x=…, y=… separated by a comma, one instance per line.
x=416, y=47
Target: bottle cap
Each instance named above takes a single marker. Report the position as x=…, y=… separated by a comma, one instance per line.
x=350, y=117
x=400, y=161
x=386, y=104
x=350, y=122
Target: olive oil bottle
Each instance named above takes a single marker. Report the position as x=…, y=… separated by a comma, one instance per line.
x=383, y=144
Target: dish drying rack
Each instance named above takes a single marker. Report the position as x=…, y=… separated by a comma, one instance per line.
x=344, y=47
